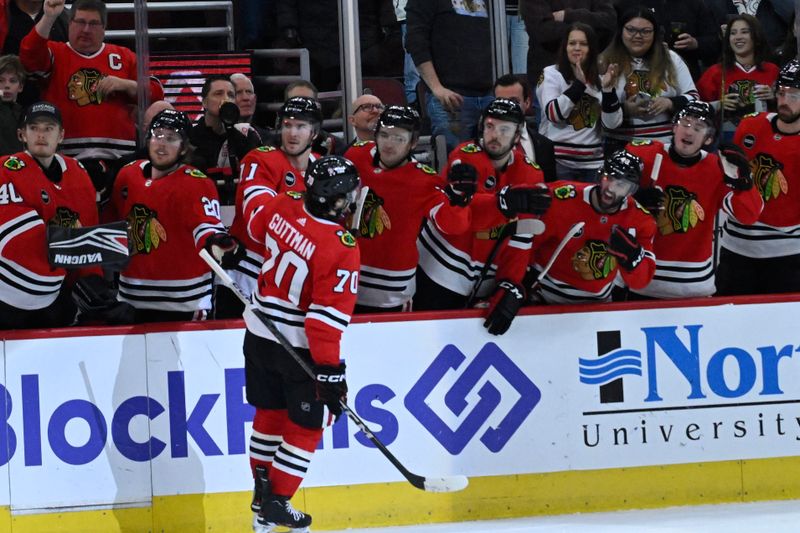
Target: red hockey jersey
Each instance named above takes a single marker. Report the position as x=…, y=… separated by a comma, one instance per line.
x=775, y=160
x=93, y=126
x=169, y=220
x=398, y=201
x=455, y=261
x=684, y=242
x=584, y=271
x=309, y=280
x=738, y=80
x=29, y=202
x=265, y=173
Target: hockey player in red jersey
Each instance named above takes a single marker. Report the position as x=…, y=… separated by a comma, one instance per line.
x=39, y=187
x=172, y=211
x=764, y=257
x=93, y=84
x=267, y=172
x=307, y=287
x=617, y=236
x=489, y=260
x=685, y=187
x=402, y=193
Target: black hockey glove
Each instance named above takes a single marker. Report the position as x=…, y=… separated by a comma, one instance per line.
x=462, y=179
x=651, y=198
x=331, y=386
x=735, y=167
x=508, y=297
x=625, y=248
x=225, y=249
x=97, y=301
x=530, y=200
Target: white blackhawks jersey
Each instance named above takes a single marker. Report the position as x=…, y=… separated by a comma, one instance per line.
x=574, y=127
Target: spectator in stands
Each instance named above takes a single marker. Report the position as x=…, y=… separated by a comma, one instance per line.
x=746, y=74
x=773, y=15
x=246, y=101
x=686, y=29
x=535, y=146
x=788, y=49
x=93, y=84
x=367, y=109
x=518, y=40
x=653, y=82
x=547, y=20
x=12, y=80
x=410, y=74
x=300, y=88
x=450, y=44
x=21, y=17
x=578, y=103
x=219, y=145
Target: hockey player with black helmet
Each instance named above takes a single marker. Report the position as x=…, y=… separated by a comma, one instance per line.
x=616, y=237
x=684, y=187
x=401, y=193
x=763, y=257
x=489, y=259
x=308, y=287
x=173, y=211
x=268, y=171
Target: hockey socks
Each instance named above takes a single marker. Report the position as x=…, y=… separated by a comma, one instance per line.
x=291, y=460
x=268, y=425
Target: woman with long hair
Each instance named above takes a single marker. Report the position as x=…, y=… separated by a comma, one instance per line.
x=742, y=82
x=577, y=103
x=653, y=81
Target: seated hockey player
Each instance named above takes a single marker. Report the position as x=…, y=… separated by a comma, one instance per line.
x=39, y=187
x=488, y=260
x=307, y=288
x=172, y=210
x=268, y=171
x=402, y=193
x=617, y=236
x=684, y=187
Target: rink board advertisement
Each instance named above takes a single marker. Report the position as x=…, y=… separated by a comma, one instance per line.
x=120, y=419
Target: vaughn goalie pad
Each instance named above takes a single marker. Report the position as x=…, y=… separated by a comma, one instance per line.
x=105, y=245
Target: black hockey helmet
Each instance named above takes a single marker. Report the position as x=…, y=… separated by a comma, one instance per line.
x=331, y=184
x=789, y=75
x=399, y=116
x=172, y=120
x=504, y=109
x=698, y=109
x=623, y=165
x=301, y=108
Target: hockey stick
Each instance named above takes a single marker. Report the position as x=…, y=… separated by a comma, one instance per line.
x=430, y=484
x=574, y=230
x=656, y=168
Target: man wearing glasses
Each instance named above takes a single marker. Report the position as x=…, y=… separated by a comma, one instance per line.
x=367, y=109
x=764, y=257
x=93, y=83
x=684, y=187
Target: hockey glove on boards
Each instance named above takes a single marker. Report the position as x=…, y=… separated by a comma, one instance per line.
x=331, y=386
x=530, y=200
x=625, y=248
x=462, y=179
x=508, y=297
x=225, y=249
x=651, y=198
x=735, y=167
x=97, y=301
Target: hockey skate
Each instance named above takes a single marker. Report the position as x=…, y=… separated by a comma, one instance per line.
x=277, y=511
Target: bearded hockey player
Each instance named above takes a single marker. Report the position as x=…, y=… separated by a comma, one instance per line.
x=489, y=260
x=268, y=172
x=764, y=257
x=617, y=236
x=172, y=211
x=402, y=193
x=684, y=187
x=39, y=187
x=307, y=287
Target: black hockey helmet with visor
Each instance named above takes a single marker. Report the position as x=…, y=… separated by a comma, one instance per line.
x=398, y=116
x=170, y=119
x=623, y=168
x=789, y=75
x=301, y=108
x=697, y=109
x=331, y=186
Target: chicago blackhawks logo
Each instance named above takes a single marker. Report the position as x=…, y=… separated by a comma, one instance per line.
x=375, y=219
x=65, y=218
x=82, y=86
x=146, y=232
x=346, y=238
x=265, y=148
x=593, y=262
x=681, y=211
x=470, y=148
x=193, y=172
x=14, y=163
x=426, y=169
x=585, y=113
x=565, y=192
x=768, y=175
x=638, y=82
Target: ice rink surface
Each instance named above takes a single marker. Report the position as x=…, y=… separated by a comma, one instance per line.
x=762, y=517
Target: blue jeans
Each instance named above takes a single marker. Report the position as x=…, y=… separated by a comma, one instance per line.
x=252, y=14
x=456, y=126
x=410, y=74
x=518, y=42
